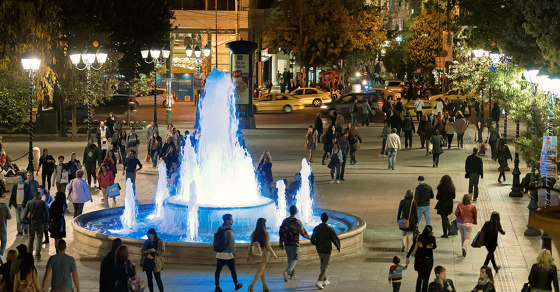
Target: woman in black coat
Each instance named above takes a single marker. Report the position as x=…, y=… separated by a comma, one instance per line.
x=407, y=210
x=327, y=141
x=445, y=196
x=57, y=226
x=423, y=251
x=491, y=229
x=544, y=275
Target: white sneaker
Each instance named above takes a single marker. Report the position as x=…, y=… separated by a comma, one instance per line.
x=319, y=285
x=379, y=155
x=326, y=283
x=337, y=181
x=332, y=181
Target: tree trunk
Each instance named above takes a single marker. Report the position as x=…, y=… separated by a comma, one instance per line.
x=74, y=124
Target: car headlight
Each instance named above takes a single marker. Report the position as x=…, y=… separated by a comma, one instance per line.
x=324, y=107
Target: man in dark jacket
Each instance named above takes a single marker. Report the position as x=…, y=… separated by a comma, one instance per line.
x=289, y=233
x=408, y=128
x=21, y=194
x=91, y=158
x=318, y=126
x=345, y=147
x=227, y=255
x=422, y=196
x=38, y=216
x=106, y=279
x=474, y=171
x=395, y=122
x=323, y=238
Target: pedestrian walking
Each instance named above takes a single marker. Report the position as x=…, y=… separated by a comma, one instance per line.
x=323, y=238
x=103, y=139
x=460, y=129
x=393, y=146
x=47, y=198
x=423, y=251
x=426, y=135
x=450, y=131
x=105, y=179
x=503, y=156
x=418, y=106
x=78, y=193
x=334, y=164
x=131, y=166
x=264, y=172
x=170, y=157
x=21, y=194
x=474, y=171
x=543, y=273
x=37, y=214
x=366, y=110
x=422, y=195
x=91, y=158
x=327, y=141
x=445, y=196
x=485, y=281
x=345, y=148
x=311, y=139
x=441, y=283
x=354, y=112
x=395, y=274
x=123, y=271
x=408, y=128
x=63, y=270
x=46, y=165
x=496, y=112
x=154, y=148
x=355, y=140
x=466, y=217
x=152, y=128
x=151, y=259
x=107, y=270
x=407, y=211
x=384, y=133
x=282, y=86
x=339, y=124
x=26, y=276
x=33, y=184
x=111, y=123
x=289, y=233
x=132, y=141
x=395, y=122
x=438, y=107
x=260, y=250
x=387, y=108
x=421, y=125
x=437, y=149
x=494, y=136
x=61, y=175
x=5, y=215
x=491, y=229
x=121, y=142
x=57, y=224
x=224, y=245
x=110, y=162
x=7, y=282
x=478, y=129
x=318, y=126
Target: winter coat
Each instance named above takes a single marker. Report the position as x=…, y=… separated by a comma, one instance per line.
x=491, y=234
x=27, y=195
x=78, y=191
x=460, y=126
x=473, y=164
x=324, y=237
x=91, y=154
x=403, y=213
x=105, y=180
x=408, y=125
x=466, y=213
x=423, y=194
x=427, y=131
x=437, y=140
x=354, y=138
x=449, y=128
x=445, y=199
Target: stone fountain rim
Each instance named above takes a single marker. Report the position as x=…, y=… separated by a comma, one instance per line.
x=78, y=227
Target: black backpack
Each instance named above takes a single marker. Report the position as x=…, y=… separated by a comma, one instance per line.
x=220, y=240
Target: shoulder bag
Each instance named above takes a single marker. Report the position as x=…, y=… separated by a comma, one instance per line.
x=405, y=223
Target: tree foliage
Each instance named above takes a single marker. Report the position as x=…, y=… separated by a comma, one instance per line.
x=14, y=94
x=426, y=42
x=321, y=32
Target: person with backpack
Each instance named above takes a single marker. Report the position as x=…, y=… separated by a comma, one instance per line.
x=26, y=276
x=408, y=128
x=323, y=238
x=460, y=129
x=260, y=250
x=224, y=246
x=289, y=233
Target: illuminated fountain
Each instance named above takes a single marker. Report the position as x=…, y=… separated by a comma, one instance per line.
x=217, y=176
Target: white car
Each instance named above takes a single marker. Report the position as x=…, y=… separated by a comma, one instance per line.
x=311, y=96
x=148, y=100
x=395, y=86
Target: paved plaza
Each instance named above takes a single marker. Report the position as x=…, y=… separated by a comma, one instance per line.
x=370, y=191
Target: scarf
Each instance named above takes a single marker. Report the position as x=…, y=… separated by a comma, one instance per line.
x=483, y=282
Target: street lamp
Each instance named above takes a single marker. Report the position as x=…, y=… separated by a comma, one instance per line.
x=88, y=58
x=31, y=64
x=152, y=56
x=199, y=55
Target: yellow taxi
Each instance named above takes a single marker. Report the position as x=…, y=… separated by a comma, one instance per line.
x=452, y=95
x=311, y=96
x=277, y=102
x=427, y=108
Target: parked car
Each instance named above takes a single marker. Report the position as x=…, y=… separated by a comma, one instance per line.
x=395, y=86
x=148, y=100
x=453, y=94
x=81, y=114
x=343, y=104
x=277, y=102
x=311, y=96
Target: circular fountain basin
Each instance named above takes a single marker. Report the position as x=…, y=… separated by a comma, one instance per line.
x=94, y=232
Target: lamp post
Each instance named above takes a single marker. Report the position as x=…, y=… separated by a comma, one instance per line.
x=531, y=77
x=88, y=59
x=152, y=56
x=30, y=64
x=478, y=54
x=198, y=56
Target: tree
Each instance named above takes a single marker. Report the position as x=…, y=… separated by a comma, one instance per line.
x=426, y=42
x=14, y=94
x=321, y=32
x=393, y=60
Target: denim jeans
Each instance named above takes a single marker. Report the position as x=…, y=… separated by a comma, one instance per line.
x=3, y=239
x=354, y=118
x=335, y=170
x=383, y=143
x=407, y=139
x=460, y=139
x=342, y=168
x=292, y=252
x=366, y=120
x=396, y=286
x=154, y=157
x=424, y=210
x=78, y=209
x=19, y=213
x=392, y=158
x=35, y=232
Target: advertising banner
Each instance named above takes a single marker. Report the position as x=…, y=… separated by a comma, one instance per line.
x=182, y=86
x=240, y=74
x=548, y=166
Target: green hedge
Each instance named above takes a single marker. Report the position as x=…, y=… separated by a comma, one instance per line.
x=14, y=94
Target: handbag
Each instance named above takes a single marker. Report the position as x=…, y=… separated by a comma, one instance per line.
x=479, y=239
x=256, y=250
x=113, y=190
x=64, y=177
x=147, y=157
x=405, y=223
x=454, y=230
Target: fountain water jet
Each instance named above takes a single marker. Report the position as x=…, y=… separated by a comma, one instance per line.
x=304, y=202
x=128, y=218
x=281, y=209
